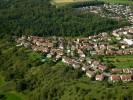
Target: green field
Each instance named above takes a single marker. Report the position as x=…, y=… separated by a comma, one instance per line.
x=125, y=61
x=64, y=2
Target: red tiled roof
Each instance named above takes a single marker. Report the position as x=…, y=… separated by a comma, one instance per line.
x=101, y=67
x=116, y=70
x=99, y=77
x=126, y=77
x=115, y=77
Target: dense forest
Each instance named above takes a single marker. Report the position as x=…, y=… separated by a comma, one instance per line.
x=39, y=17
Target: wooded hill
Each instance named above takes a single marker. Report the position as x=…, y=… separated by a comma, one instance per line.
x=39, y=17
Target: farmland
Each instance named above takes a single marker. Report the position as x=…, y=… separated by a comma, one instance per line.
x=64, y=2
x=123, y=61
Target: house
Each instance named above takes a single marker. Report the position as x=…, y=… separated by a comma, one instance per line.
x=58, y=57
x=50, y=45
x=130, y=30
x=128, y=41
x=102, y=67
x=99, y=77
x=115, y=78
x=88, y=60
x=93, y=52
x=116, y=70
x=45, y=50
x=53, y=51
x=27, y=45
x=67, y=60
x=90, y=73
x=34, y=48
x=44, y=44
x=38, y=43
x=49, y=55
x=81, y=59
x=127, y=70
x=59, y=52
x=126, y=77
x=23, y=37
x=85, y=67
x=61, y=46
x=76, y=65
x=95, y=64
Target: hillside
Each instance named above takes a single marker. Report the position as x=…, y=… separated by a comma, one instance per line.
x=29, y=75
x=51, y=81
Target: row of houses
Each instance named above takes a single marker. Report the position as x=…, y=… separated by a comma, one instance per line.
x=124, y=78
x=78, y=52
x=122, y=70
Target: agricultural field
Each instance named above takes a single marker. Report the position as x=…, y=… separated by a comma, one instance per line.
x=64, y=2
x=130, y=2
x=125, y=61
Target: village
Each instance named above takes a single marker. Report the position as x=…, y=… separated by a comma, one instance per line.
x=79, y=52
x=114, y=11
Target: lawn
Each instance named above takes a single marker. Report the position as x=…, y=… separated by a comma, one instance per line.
x=123, y=61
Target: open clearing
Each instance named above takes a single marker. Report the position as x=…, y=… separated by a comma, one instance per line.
x=64, y=2
x=125, y=61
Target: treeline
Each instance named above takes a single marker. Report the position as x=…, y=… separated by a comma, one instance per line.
x=39, y=17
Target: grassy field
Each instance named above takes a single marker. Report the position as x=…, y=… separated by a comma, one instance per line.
x=120, y=61
x=64, y=2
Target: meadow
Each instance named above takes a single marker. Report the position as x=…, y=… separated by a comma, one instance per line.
x=64, y=2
